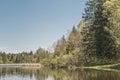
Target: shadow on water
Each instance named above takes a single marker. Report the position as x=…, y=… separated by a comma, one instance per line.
x=61, y=74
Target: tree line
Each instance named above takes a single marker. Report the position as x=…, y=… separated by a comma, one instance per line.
x=95, y=40
x=24, y=57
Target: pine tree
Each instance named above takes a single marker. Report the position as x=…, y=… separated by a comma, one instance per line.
x=60, y=48
x=88, y=31
x=73, y=41
x=97, y=40
x=99, y=23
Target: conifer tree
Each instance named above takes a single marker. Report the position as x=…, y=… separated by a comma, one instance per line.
x=88, y=31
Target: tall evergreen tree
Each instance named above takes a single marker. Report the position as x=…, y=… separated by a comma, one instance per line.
x=97, y=41
x=88, y=31
x=73, y=41
x=105, y=45
x=60, y=48
x=102, y=37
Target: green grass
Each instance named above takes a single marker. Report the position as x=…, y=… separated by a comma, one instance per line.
x=108, y=67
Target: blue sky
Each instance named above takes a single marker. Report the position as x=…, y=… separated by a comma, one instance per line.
x=26, y=25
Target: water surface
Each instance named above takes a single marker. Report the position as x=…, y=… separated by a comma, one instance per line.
x=17, y=73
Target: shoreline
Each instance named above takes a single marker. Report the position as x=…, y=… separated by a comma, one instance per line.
x=29, y=65
x=107, y=67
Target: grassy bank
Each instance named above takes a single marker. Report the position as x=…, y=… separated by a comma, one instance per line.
x=108, y=67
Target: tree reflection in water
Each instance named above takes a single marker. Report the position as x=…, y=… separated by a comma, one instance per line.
x=60, y=74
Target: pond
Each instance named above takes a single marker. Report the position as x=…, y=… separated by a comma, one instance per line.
x=17, y=73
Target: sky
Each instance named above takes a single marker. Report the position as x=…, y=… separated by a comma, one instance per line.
x=26, y=25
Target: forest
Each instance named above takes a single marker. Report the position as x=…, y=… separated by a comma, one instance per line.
x=95, y=40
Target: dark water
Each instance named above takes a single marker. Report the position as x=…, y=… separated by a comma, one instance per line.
x=17, y=73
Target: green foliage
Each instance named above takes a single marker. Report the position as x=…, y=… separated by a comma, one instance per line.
x=97, y=42
x=112, y=13
x=60, y=48
x=69, y=48
x=24, y=57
